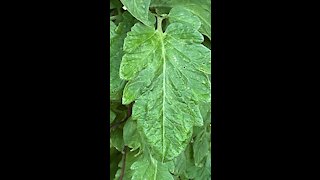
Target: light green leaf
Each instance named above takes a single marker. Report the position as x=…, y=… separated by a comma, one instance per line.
x=117, y=35
x=140, y=10
x=200, y=173
x=116, y=53
x=183, y=16
x=201, y=147
x=148, y=168
x=180, y=164
x=167, y=74
x=200, y=8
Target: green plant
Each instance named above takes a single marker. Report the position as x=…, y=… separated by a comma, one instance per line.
x=160, y=89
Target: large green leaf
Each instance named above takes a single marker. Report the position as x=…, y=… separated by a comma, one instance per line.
x=140, y=10
x=167, y=74
x=200, y=8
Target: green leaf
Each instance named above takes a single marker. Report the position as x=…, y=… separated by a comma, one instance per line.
x=131, y=135
x=120, y=111
x=180, y=164
x=167, y=74
x=148, y=168
x=200, y=173
x=117, y=35
x=116, y=139
x=181, y=15
x=116, y=53
x=200, y=8
x=140, y=10
x=115, y=157
x=201, y=147
x=130, y=159
x=112, y=116
x=115, y=4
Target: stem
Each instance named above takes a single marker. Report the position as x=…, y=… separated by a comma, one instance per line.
x=123, y=163
x=113, y=18
x=159, y=23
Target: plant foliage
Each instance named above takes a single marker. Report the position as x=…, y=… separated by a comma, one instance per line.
x=160, y=89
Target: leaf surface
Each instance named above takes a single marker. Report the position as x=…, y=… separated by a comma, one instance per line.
x=116, y=53
x=200, y=8
x=140, y=10
x=117, y=36
x=131, y=135
x=150, y=169
x=130, y=159
x=167, y=76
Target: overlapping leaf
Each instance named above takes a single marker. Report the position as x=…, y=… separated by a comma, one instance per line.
x=116, y=53
x=112, y=116
x=131, y=135
x=128, y=172
x=140, y=10
x=200, y=8
x=149, y=168
x=167, y=74
x=117, y=35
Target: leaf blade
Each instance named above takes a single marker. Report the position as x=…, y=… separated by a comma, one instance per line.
x=165, y=116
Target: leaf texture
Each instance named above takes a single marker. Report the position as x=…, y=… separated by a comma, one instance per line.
x=117, y=35
x=130, y=159
x=167, y=77
x=116, y=53
x=149, y=169
x=131, y=136
x=200, y=8
x=140, y=10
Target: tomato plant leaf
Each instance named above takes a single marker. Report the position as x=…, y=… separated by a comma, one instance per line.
x=160, y=89
x=167, y=74
x=140, y=10
x=116, y=139
x=131, y=135
x=200, y=8
x=128, y=172
x=181, y=15
x=148, y=168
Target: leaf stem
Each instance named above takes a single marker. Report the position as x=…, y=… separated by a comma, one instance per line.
x=123, y=163
x=113, y=18
x=159, y=23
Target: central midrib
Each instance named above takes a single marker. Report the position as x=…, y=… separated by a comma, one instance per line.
x=164, y=92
